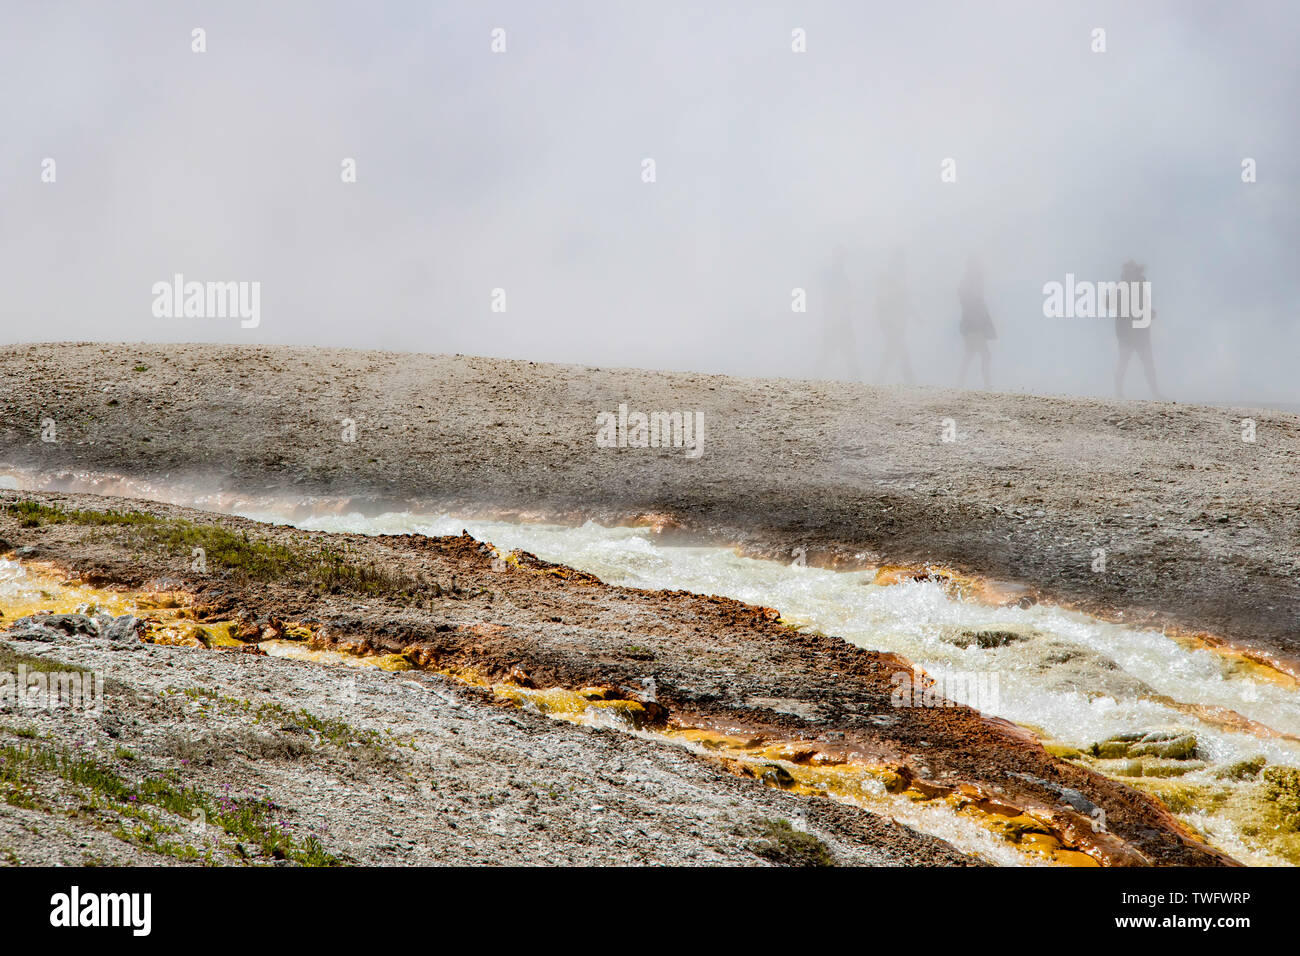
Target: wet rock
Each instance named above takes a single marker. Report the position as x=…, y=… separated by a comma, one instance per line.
x=985, y=639
x=1069, y=669
x=1076, y=799
x=775, y=775
x=1068, y=795
x=1283, y=785
x=1242, y=769
x=1164, y=744
x=1064, y=751
x=519, y=677
x=1110, y=749
x=1065, y=655
x=1282, y=788
x=1170, y=747
x=894, y=782
x=1015, y=828
x=1157, y=767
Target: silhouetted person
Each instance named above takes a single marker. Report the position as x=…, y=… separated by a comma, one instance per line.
x=976, y=324
x=1133, y=340
x=837, y=321
x=893, y=311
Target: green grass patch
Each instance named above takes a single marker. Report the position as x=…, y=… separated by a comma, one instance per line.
x=33, y=514
x=11, y=658
x=784, y=845
x=248, y=820
x=256, y=559
x=338, y=732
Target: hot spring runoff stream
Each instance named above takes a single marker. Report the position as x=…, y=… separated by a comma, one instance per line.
x=1086, y=687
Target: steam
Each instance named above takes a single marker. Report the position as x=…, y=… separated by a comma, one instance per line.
x=523, y=172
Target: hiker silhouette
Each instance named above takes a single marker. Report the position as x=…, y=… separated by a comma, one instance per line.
x=838, y=341
x=1133, y=341
x=893, y=311
x=976, y=325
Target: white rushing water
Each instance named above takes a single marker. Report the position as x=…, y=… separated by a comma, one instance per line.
x=1076, y=678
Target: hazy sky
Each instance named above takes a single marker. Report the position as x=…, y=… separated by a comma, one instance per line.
x=522, y=170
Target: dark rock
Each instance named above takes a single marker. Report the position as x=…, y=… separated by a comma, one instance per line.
x=1068, y=795
x=32, y=632
x=122, y=628
x=67, y=623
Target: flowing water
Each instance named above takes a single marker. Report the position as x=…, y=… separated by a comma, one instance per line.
x=1076, y=681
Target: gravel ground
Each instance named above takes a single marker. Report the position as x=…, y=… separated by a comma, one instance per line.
x=425, y=771
x=1199, y=527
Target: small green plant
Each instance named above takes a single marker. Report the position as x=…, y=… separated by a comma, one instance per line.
x=784, y=845
x=313, y=854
